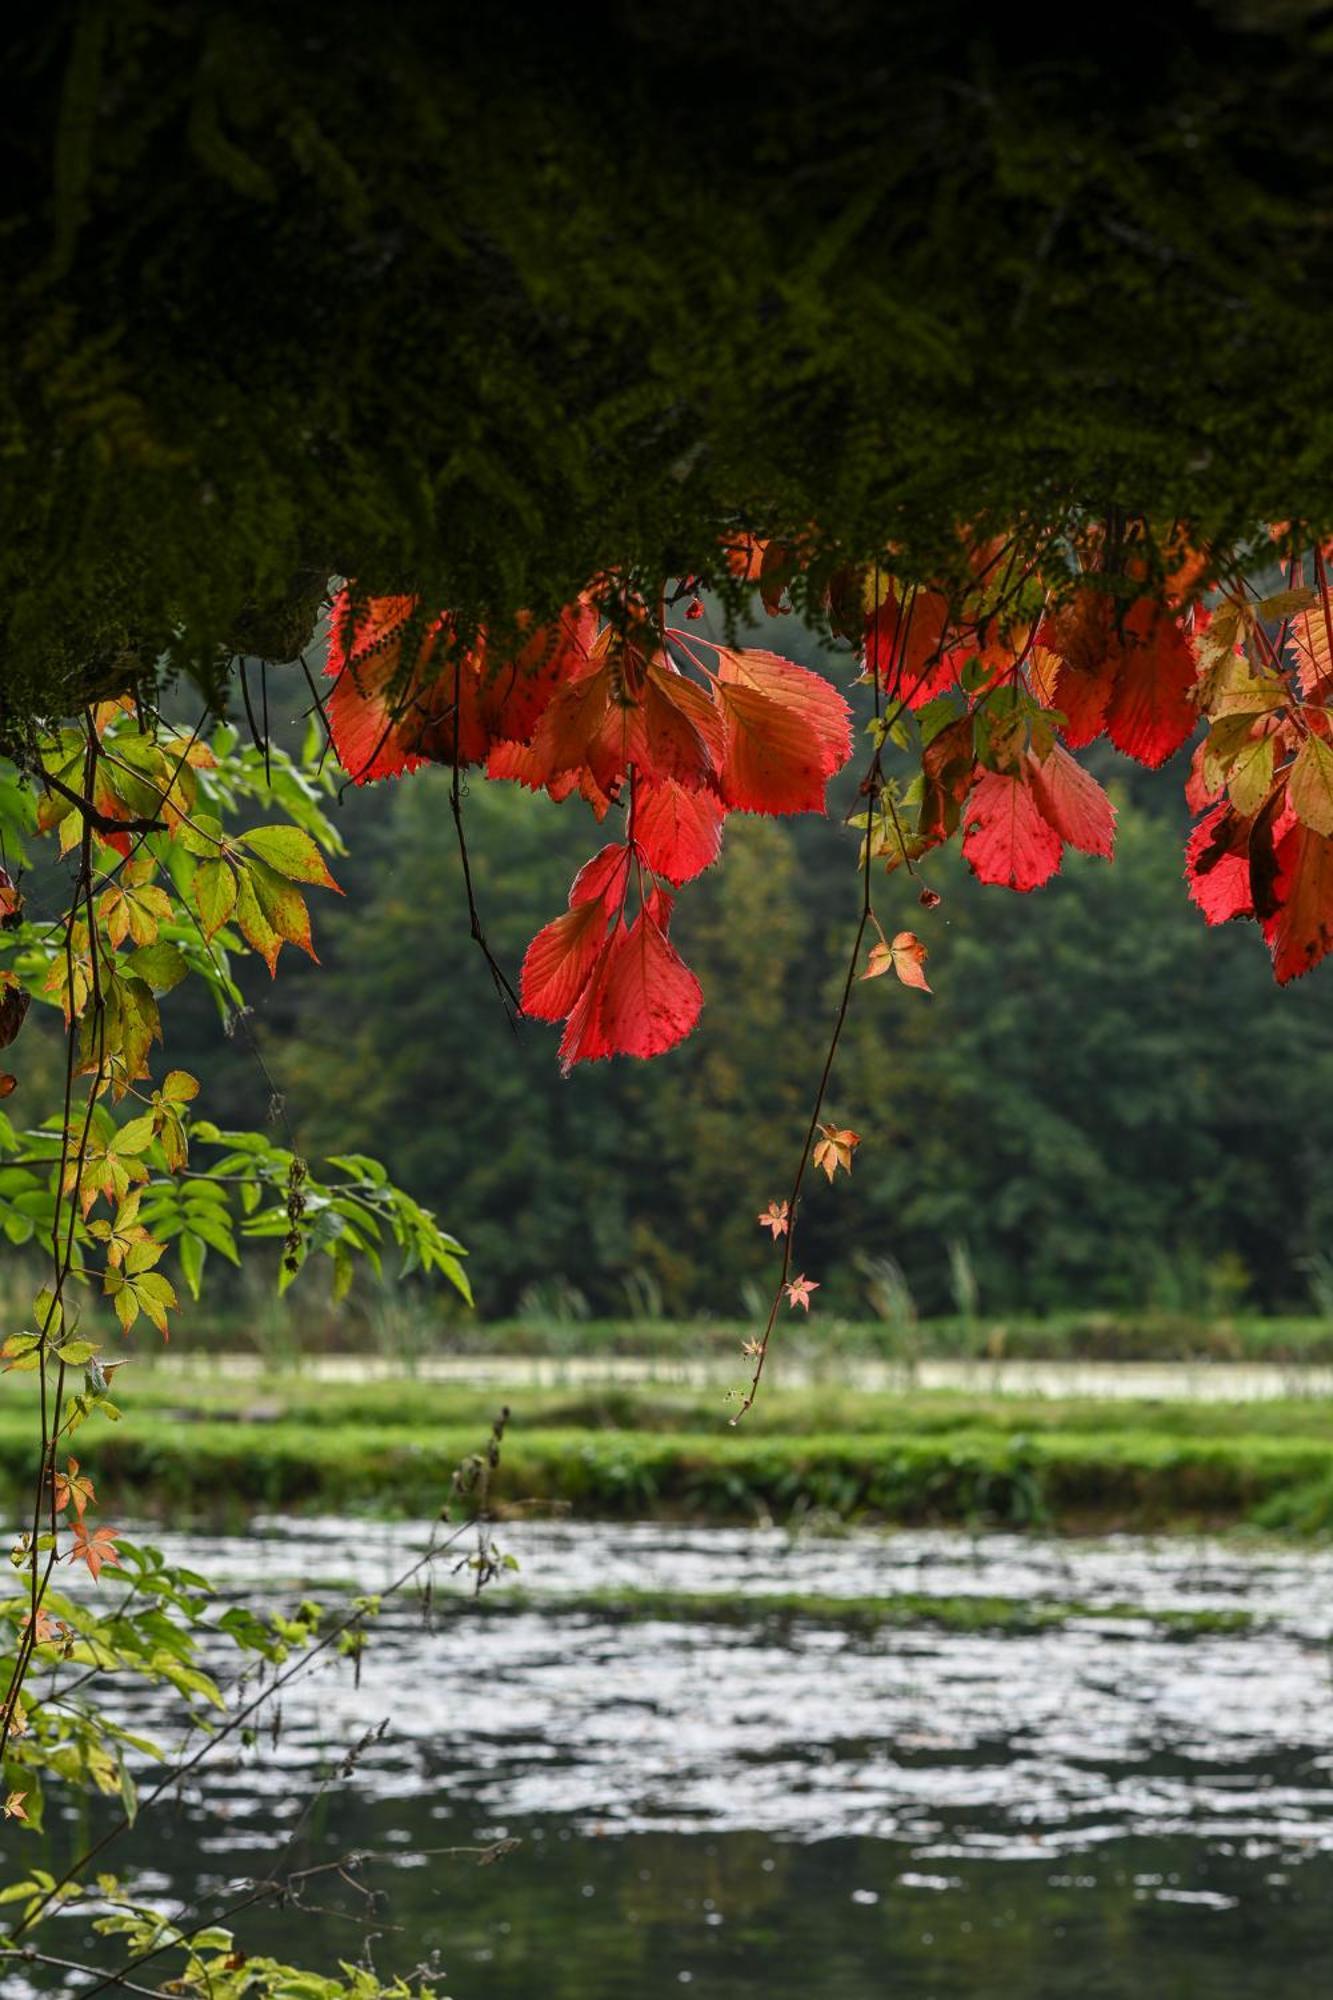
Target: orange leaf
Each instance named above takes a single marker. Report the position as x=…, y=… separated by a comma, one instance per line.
x=96, y=1549
x=909, y=957
x=835, y=1149
x=788, y=731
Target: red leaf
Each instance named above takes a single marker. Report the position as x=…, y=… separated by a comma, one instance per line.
x=559, y=963
x=1217, y=866
x=364, y=712
x=1197, y=795
x=1006, y=839
x=578, y=728
x=1070, y=800
x=906, y=647
x=1151, y=712
x=641, y=999
x=682, y=734
x=514, y=694
x=1083, y=699
x=678, y=831
x=627, y=710
x=97, y=1548
x=1300, y=932
x=602, y=879
x=788, y=731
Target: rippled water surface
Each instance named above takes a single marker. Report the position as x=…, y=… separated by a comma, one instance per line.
x=1100, y=1810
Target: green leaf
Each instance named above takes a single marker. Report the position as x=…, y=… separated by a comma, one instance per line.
x=213, y=892
x=76, y=1352
x=283, y=906
x=1310, y=788
x=135, y=1136
x=192, y=1255
x=162, y=965
x=201, y=836
x=1251, y=777
x=291, y=854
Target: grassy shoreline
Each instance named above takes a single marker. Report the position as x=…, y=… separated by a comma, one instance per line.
x=192, y=1445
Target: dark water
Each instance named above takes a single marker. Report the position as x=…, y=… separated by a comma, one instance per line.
x=1100, y=1810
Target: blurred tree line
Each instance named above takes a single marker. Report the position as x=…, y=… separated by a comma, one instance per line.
x=1105, y=1104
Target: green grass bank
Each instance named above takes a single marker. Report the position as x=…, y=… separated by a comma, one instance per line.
x=199, y=1444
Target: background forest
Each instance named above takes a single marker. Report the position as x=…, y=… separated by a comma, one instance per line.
x=1104, y=1104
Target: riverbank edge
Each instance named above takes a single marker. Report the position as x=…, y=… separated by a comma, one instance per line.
x=1067, y=1481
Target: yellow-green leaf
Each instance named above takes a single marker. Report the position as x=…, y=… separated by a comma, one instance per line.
x=1311, y=785
x=213, y=891
x=290, y=853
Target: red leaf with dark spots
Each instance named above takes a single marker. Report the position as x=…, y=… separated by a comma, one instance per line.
x=1217, y=866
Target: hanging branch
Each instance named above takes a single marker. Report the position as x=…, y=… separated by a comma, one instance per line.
x=509, y=1000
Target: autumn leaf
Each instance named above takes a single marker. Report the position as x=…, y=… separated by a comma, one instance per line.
x=641, y=999
x=677, y=831
x=1310, y=785
x=213, y=893
x=14, y=1807
x=1071, y=801
x=290, y=853
x=907, y=647
x=603, y=879
x=73, y=1488
x=906, y=957
x=909, y=957
x=1151, y=711
x=14, y=1003
x=559, y=962
x=46, y=1628
x=775, y=1218
x=1217, y=866
x=834, y=1149
x=96, y=1549
x=1007, y=840
x=799, y=1290
x=948, y=767
x=787, y=732
x=1299, y=932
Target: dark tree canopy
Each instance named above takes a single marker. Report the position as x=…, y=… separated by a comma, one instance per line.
x=482, y=301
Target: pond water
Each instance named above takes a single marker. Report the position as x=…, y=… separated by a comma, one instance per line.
x=1100, y=1810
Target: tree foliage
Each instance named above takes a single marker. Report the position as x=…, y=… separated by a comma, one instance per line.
x=127, y=1193
x=480, y=306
